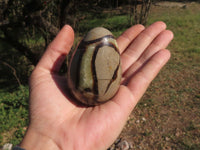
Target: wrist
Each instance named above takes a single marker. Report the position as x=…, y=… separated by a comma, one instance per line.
x=35, y=141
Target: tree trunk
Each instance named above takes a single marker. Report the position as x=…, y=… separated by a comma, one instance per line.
x=139, y=10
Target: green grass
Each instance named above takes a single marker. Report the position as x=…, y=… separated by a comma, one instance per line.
x=14, y=114
x=116, y=24
x=171, y=105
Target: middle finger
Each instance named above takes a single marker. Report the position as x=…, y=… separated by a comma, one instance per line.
x=137, y=47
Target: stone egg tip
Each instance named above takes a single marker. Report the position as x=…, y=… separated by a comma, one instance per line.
x=96, y=33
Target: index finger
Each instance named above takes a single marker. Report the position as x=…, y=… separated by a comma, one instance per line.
x=128, y=36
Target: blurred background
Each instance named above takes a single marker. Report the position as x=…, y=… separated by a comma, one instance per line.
x=168, y=115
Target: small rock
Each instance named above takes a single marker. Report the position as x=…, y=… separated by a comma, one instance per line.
x=178, y=132
x=124, y=145
x=143, y=119
x=167, y=139
x=137, y=121
x=7, y=146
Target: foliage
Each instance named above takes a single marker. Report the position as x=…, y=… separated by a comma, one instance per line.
x=14, y=114
x=32, y=19
x=27, y=27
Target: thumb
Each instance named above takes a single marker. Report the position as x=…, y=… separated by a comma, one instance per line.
x=57, y=50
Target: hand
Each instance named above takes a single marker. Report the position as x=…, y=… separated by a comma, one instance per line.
x=57, y=123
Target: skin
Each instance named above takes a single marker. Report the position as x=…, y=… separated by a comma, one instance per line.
x=57, y=122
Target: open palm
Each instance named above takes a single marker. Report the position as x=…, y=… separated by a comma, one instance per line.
x=59, y=123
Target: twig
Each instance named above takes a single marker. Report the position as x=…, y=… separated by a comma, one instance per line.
x=14, y=72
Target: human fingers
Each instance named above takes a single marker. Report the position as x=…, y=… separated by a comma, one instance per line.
x=57, y=50
x=139, y=82
x=128, y=36
x=160, y=42
x=128, y=96
x=137, y=47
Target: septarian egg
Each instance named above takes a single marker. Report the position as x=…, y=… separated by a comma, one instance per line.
x=94, y=73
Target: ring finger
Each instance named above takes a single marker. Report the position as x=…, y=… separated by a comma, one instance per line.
x=160, y=42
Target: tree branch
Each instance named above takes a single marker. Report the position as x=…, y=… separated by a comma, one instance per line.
x=14, y=72
x=40, y=21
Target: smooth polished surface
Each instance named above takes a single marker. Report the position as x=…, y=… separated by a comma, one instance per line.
x=95, y=69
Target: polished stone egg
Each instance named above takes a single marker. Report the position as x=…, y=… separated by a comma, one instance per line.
x=94, y=72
